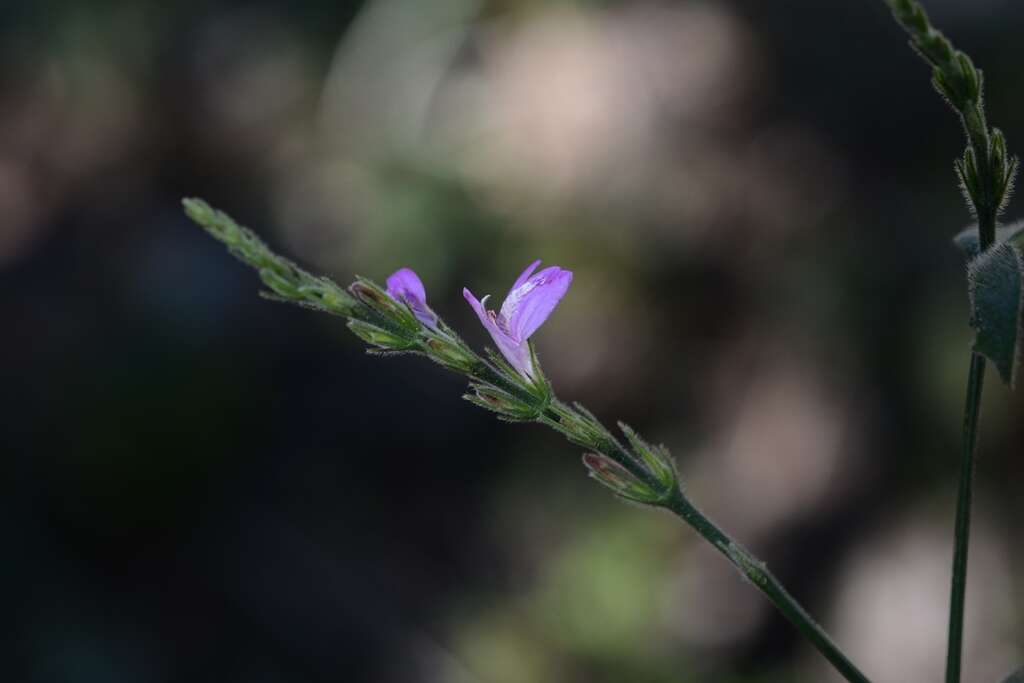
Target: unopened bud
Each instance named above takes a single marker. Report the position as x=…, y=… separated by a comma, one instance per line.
x=656, y=459
x=379, y=337
x=506, y=405
x=451, y=354
x=614, y=476
x=382, y=303
x=328, y=295
x=998, y=150
x=971, y=76
x=280, y=285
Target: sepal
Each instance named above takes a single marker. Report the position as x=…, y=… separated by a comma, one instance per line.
x=507, y=406
x=450, y=353
x=969, y=179
x=379, y=337
x=1004, y=170
x=609, y=473
x=656, y=459
x=539, y=387
x=280, y=285
x=380, y=302
x=580, y=427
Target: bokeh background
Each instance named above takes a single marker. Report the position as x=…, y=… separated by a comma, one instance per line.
x=757, y=200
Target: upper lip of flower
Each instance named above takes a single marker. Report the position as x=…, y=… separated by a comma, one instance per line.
x=529, y=303
x=405, y=285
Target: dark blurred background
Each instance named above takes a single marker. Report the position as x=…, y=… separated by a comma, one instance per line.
x=757, y=200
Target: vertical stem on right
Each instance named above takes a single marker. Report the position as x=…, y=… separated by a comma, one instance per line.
x=972, y=412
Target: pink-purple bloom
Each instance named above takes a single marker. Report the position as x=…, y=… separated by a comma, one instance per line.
x=405, y=285
x=528, y=304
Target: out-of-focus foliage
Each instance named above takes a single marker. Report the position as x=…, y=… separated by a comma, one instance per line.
x=209, y=487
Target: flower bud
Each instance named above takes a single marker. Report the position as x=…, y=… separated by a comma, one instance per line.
x=330, y=297
x=451, y=354
x=377, y=300
x=656, y=459
x=507, y=406
x=378, y=337
x=280, y=285
x=614, y=476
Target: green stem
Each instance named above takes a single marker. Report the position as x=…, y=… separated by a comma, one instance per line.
x=972, y=412
x=765, y=581
x=965, y=494
x=986, y=173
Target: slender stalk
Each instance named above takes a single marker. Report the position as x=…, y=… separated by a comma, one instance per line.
x=972, y=411
x=986, y=173
x=987, y=208
x=986, y=204
x=758, y=574
x=965, y=493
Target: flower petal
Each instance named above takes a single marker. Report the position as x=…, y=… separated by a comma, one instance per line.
x=515, y=352
x=405, y=285
x=524, y=277
x=530, y=304
x=405, y=282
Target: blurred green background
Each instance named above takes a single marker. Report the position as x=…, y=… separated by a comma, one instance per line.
x=757, y=200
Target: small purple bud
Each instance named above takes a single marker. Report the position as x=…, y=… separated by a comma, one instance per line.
x=528, y=304
x=405, y=286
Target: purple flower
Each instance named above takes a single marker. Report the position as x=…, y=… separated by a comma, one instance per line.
x=527, y=306
x=404, y=285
